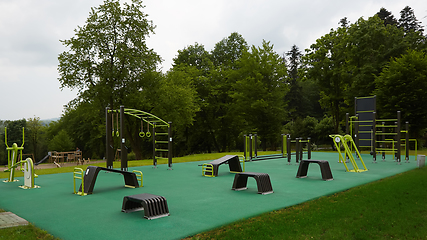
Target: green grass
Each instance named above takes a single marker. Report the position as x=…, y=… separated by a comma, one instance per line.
x=394, y=207
x=390, y=208
x=24, y=233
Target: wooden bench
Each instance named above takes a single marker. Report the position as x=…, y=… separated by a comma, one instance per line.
x=262, y=180
x=154, y=206
x=324, y=168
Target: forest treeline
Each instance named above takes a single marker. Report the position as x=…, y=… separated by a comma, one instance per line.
x=213, y=97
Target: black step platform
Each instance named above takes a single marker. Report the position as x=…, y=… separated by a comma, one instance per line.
x=154, y=206
x=262, y=181
x=91, y=174
x=324, y=168
x=233, y=163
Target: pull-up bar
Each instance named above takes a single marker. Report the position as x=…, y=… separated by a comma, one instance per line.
x=151, y=120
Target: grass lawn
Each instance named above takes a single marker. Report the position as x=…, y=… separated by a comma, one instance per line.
x=394, y=207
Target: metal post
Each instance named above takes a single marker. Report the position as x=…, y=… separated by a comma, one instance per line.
x=308, y=148
x=300, y=149
x=255, y=146
x=283, y=145
x=123, y=149
x=383, y=139
x=170, y=146
x=373, y=137
x=297, y=149
x=250, y=146
x=288, y=148
x=407, y=142
x=347, y=118
x=154, y=145
x=108, y=138
x=356, y=131
x=245, y=145
x=398, y=137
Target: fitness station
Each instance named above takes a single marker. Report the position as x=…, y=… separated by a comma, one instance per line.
x=124, y=205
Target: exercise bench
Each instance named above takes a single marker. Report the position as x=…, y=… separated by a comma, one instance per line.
x=324, y=168
x=91, y=173
x=211, y=169
x=262, y=181
x=154, y=206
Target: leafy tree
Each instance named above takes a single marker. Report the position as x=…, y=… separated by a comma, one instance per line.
x=324, y=64
x=195, y=56
x=215, y=127
x=35, y=136
x=62, y=142
x=108, y=58
x=85, y=127
x=259, y=92
x=110, y=64
x=401, y=86
x=387, y=17
x=229, y=50
x=345, y=62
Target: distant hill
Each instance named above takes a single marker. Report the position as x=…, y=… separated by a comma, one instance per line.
x=46, y=122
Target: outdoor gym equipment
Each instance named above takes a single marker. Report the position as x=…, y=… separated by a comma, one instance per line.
x=325, y=169
x=154, y=206
x=161, y=131
x=29, y=174
x=12, y=156
x=211, y=169
x=345, y=141
x=27, y=165
x=251, y=154
x=89, y=176
x=287, y=141
x=262, y=180
x=379, y=135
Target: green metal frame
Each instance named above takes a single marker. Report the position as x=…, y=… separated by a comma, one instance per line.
x=344, y=141
x=138, y=176
x=12, y=155
x=207, y=168
x=151, y=120
x=78, y=174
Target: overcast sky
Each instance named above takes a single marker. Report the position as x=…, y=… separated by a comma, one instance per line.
x=30, y=31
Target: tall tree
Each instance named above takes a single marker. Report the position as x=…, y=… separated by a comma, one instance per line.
x=229, y=50
x=195, y=56
x=387, y=17
x=108, y=60
x=294, y=97
x=259, y=92
x=324, y=64
x=408, y=21
x=401, y=86
x=108, y=57
x=34, y=132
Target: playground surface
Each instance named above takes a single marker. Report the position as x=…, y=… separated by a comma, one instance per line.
x=196, y=203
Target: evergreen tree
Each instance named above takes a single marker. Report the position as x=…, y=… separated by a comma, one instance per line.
x=409, y=22
x=293, y=98
x=387, y=17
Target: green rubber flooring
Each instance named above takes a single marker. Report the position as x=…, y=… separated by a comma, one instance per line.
x=196, y=203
